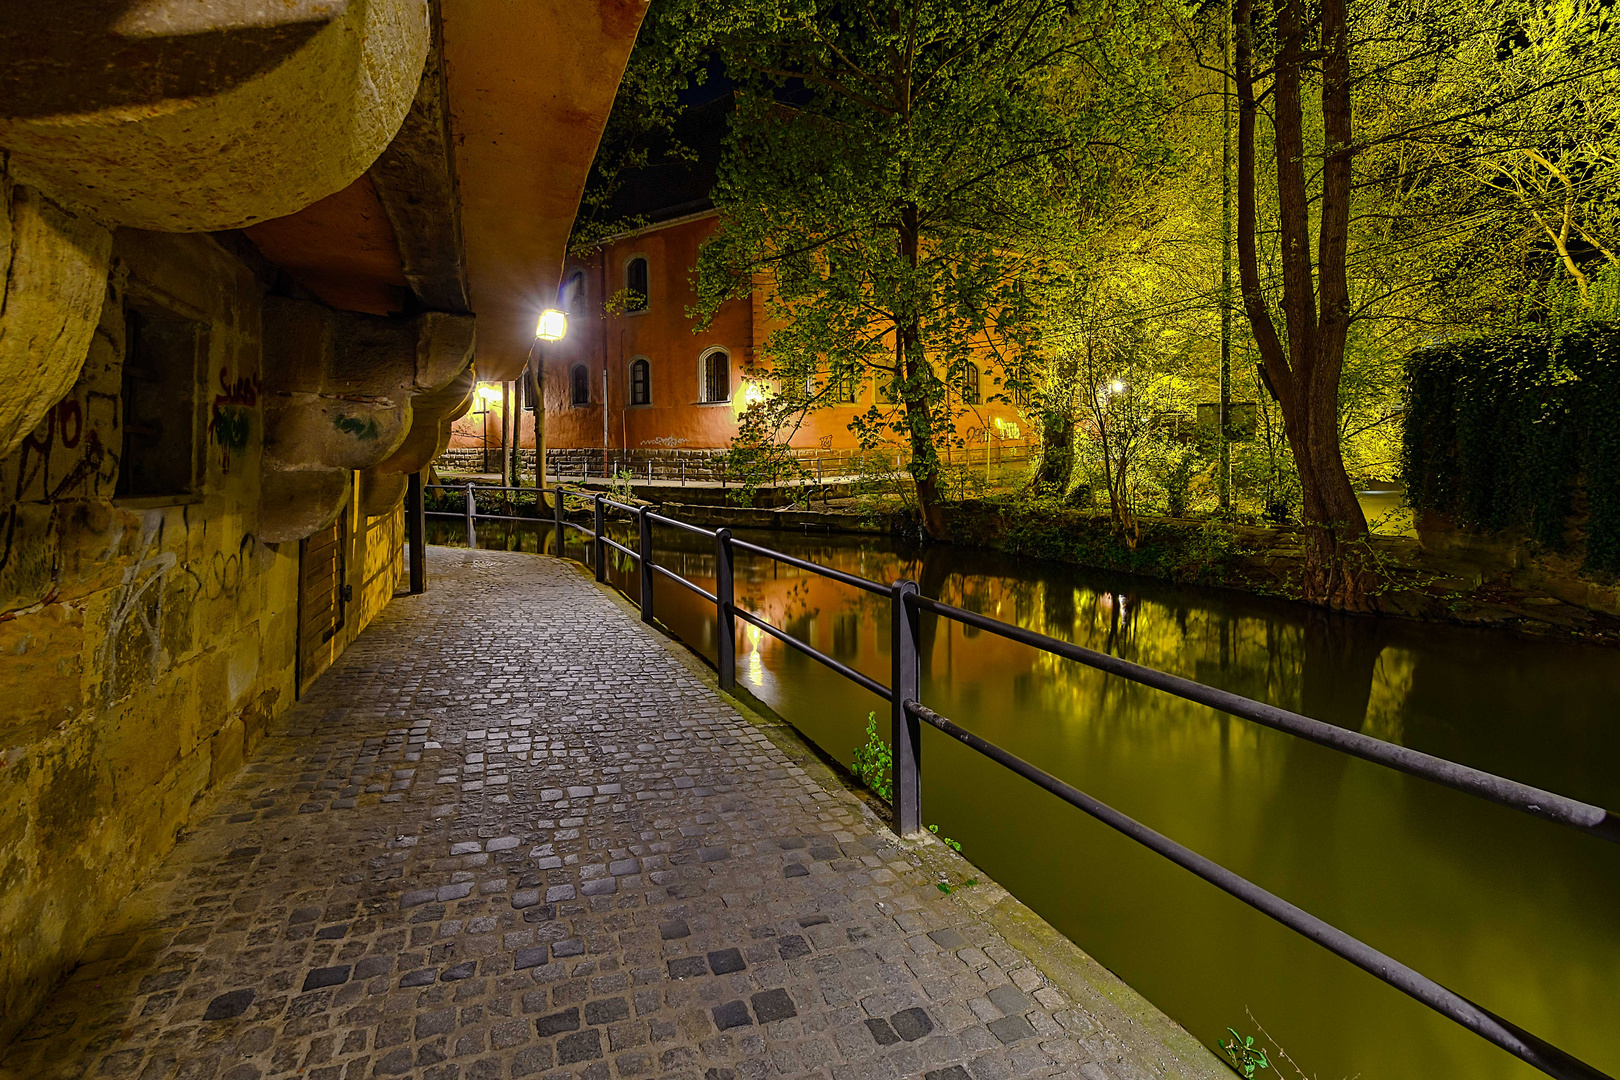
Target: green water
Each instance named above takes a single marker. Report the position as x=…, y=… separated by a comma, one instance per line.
x=1517, y=914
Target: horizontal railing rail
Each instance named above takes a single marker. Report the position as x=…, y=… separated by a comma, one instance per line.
x=1481, y=1021
x=858, y=678
x=908, y=714
x=1531, y=800
x=825, y=571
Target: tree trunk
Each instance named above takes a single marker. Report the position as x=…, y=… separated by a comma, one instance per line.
x=1052, y=475
x=911, y=362
x=1305, y=371
x=1056, y=469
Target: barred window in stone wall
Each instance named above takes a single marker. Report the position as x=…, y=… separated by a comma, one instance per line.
x=640, y=381
x=715, y=375
x=159, y=413
x=580, y=385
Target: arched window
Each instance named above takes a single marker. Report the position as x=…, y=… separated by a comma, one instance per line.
x=579, y=384
x=640, y=381
x=635, y=281
x=714, y=375
x=571, y=297
x=970, y=385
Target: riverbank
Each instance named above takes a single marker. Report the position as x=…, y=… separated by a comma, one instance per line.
x=1440, y=576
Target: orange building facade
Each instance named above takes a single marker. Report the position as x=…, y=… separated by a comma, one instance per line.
x=637, y=380
x=634, y=386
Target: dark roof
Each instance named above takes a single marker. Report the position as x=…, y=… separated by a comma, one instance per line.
x=670, y=190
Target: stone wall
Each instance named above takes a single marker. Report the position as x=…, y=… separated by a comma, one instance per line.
x=145, y=643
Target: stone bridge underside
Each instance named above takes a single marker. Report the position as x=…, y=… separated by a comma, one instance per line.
x=515, y=833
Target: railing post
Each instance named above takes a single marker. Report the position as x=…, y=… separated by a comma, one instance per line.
x=598, y=549
x=725, y=623
x=557, y=509
x=472, y=508
x=416, y=525
x=905, y=729
x=646, y=565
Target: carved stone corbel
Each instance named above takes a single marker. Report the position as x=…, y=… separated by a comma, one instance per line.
x=340, y=394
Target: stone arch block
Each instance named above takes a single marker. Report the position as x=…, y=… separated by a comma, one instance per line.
x=53, y=282
x=193, y=115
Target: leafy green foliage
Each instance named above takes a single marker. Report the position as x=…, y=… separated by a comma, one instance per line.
x=1242, y=1055
x=889, y=176
x=874, y=762
x=1202, y=553
x=1506, y=431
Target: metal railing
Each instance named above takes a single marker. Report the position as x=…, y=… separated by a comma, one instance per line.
x=908, y=714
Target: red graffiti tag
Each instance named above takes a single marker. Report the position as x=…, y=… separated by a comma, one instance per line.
x=228, y=424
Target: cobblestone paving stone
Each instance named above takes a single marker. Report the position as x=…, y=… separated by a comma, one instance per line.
x=510, y=835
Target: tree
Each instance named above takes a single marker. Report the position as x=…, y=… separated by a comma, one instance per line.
x=1303, y=368
x=891, y=170
x=1448, y=87
x=1129, y=394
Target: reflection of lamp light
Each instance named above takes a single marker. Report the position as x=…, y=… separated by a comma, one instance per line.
x=552, y=326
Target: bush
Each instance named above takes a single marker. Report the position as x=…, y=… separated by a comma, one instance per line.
x=1509, y=431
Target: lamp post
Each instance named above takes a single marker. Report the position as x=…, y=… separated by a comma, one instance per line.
x=551, y=326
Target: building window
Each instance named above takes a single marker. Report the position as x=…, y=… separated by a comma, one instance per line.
x=714, y=375
x=846, y=388
x=571, y=297
x=579, y=383
x=640, y=381
x=159, y=412
x=635, y=283
x=970, y=384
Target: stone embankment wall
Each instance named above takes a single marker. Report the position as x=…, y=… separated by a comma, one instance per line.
x=145, y=643
x=1442, y=575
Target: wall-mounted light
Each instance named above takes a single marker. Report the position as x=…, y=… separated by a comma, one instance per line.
x=553, y=325
x=488, y=393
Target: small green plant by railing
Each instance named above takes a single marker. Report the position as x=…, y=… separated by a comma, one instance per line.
x=874, y=762
x=874, y=767
x=1242, y=1055
x=619, y=487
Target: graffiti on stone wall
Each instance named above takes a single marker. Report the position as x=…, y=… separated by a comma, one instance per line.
x=221, y=575
x=65, y=452
x=231, y=420
x=138, y=604
x=669, y=442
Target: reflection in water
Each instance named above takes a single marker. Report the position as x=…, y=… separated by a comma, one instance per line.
x=1512, y=912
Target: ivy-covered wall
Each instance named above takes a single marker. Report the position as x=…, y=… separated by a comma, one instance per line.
x=1520, y=431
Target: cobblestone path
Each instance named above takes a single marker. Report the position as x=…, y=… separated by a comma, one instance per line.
x=512, y=834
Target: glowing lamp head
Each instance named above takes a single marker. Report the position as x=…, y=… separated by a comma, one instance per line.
x=1116, y=387
x=553, y=325
x=489, y=393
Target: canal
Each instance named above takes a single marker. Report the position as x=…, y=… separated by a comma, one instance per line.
x=1514, y=913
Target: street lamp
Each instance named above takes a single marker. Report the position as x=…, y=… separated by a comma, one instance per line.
x=553, y=325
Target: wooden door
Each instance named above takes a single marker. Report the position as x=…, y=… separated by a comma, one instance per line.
x=322, y=597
